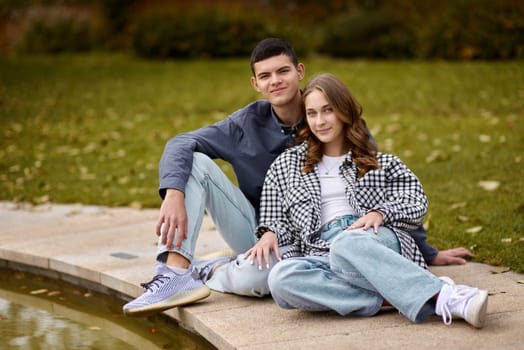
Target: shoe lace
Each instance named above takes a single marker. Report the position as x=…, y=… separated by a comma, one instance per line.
x=456, y=303
x=155, y=283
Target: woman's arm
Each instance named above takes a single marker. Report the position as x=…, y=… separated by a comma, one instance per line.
x=405, y=203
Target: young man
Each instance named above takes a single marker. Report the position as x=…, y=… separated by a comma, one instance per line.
x=190, y=182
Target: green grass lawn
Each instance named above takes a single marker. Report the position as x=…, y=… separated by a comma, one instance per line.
x=91, y=129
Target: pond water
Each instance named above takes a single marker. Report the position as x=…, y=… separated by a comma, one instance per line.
x=37, y=312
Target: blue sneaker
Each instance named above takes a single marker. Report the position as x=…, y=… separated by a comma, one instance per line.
x=166, y=290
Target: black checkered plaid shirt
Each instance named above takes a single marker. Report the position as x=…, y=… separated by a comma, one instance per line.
x=290, y=203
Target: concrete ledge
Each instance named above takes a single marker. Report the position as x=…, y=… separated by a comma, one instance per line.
x=114, y=248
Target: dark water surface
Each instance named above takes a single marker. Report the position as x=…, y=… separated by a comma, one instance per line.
x=38, y=312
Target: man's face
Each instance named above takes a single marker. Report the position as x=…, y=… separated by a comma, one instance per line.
x=277, y=79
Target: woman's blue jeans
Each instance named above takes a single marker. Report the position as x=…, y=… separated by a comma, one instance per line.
x=209, y=189
x=362, y=270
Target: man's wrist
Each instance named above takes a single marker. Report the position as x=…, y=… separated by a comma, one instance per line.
x=174, y=193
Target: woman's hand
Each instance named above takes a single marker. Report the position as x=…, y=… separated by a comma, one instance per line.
x=372, y=219
x=262, y=250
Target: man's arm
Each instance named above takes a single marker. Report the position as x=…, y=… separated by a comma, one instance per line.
x=455, y=256
x=215, y=141
x=174, y=170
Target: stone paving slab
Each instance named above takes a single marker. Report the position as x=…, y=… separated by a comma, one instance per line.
x=115, y=247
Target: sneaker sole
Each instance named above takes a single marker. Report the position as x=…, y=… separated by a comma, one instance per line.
x=180, y=299
x=477, y=310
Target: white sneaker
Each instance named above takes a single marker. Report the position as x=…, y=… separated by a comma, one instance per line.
x=462, y=301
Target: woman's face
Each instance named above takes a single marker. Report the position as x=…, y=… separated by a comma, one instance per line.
x=325, y=124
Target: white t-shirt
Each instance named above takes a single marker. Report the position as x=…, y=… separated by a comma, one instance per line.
x=333, y=200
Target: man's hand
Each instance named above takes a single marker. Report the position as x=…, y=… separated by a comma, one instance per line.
x=262, y=250
x=455, y=256
x=172, y=219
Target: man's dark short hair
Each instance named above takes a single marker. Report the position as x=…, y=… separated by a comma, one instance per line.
x=271, y=47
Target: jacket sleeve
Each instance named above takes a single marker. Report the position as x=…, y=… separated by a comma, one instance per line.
x=405, y=202
x=272, y=215
x=215, y=141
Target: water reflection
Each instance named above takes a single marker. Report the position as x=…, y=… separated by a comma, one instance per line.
x=40, y=313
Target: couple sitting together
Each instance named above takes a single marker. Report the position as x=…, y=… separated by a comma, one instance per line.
x=320, y=220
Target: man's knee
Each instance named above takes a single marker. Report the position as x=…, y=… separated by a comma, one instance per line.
x=202, y=161
x=242, y=278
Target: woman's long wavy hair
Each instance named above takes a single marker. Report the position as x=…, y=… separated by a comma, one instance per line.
x=349, y=111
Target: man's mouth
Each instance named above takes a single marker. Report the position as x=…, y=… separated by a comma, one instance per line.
x=278, y=91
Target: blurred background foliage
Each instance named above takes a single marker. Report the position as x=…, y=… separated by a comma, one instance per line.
x=429, y=29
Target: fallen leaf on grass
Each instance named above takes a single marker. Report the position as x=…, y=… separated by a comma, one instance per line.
x=492, y=292
x=489, y=185
x=462, y=218
x=500, y=269
x=506, y=240
x=38, y=291
x=474, y=229
x=456, y=148
x=457, y=205
x=123, y=180
x=427, y=223
x=14, y=168
x=484, y=138
x=436, y=155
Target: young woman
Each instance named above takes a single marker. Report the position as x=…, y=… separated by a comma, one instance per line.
x=344, y=211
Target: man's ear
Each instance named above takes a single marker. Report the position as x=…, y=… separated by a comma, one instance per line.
x=301, y=71
x=254, y=84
